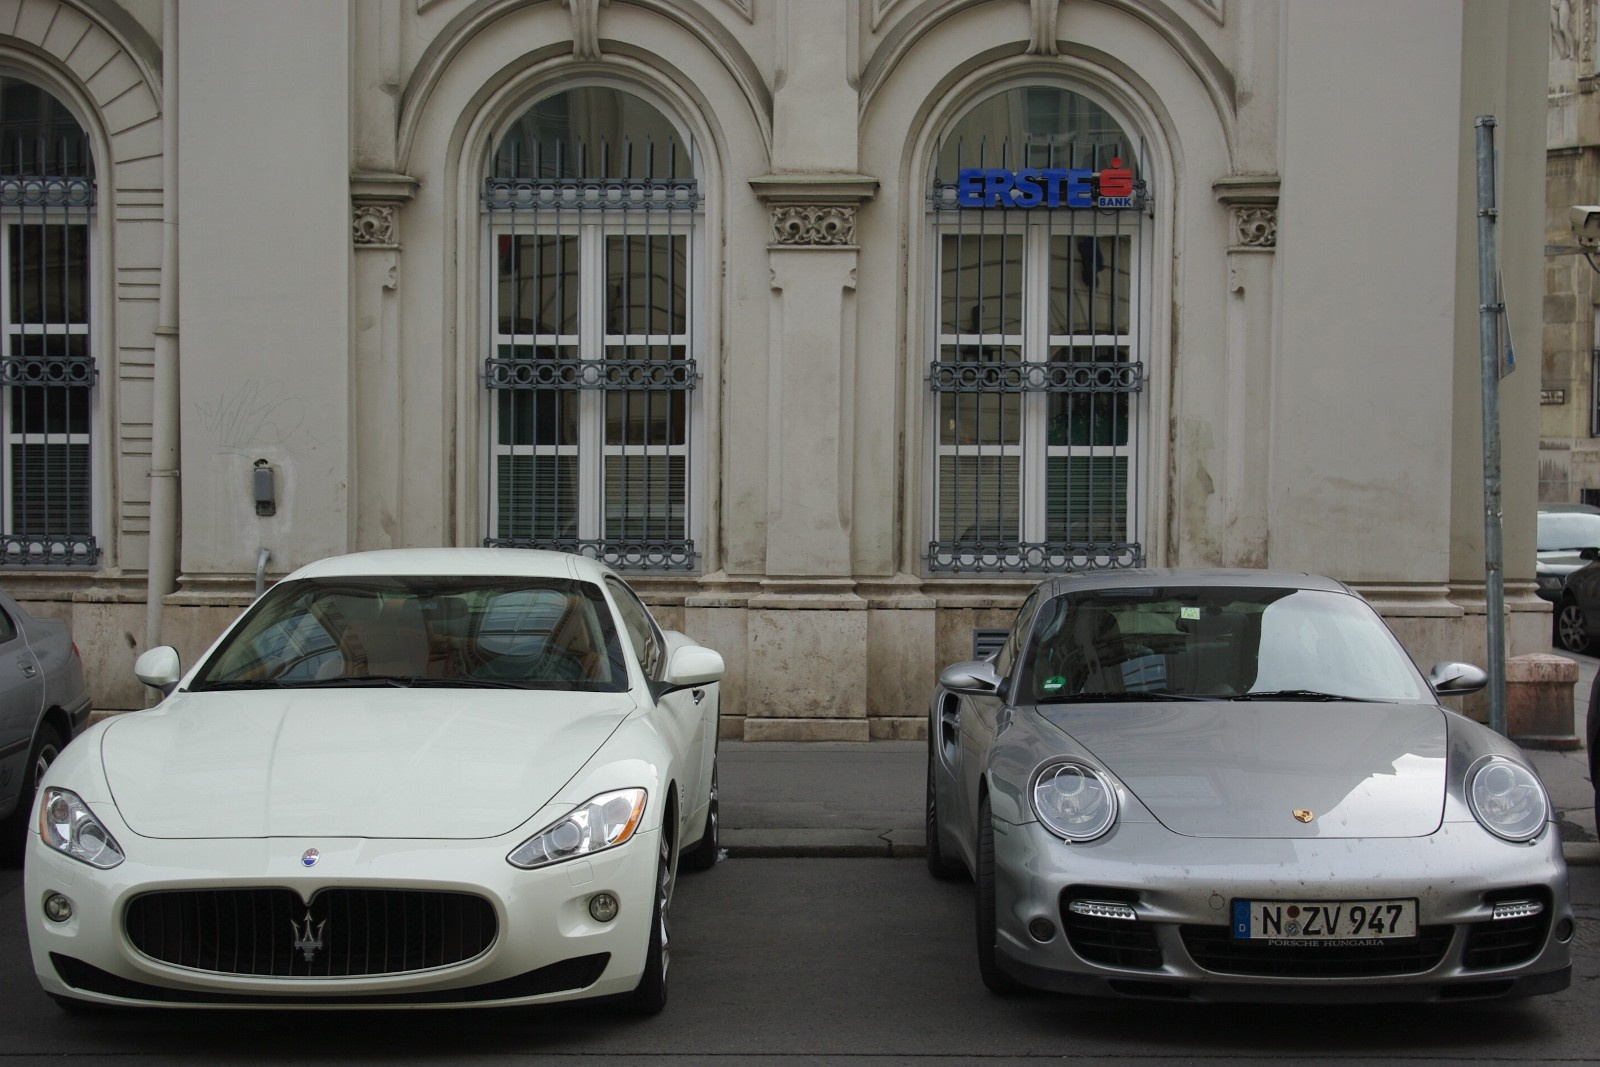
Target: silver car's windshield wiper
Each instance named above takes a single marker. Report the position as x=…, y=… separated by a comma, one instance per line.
x=1292, y=694
x=1131, y=696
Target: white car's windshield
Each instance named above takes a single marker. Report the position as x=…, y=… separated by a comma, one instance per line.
x=539, y=633
x=1211, y=642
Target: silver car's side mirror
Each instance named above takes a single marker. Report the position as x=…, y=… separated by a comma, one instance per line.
x=971, y=676
x=1456, y=679
x=159, y=668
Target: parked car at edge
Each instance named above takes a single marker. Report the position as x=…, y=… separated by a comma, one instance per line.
x=1237, y=786
x=401, y=778
x=43, y=705
x=1591, y=732
x=1566, y=532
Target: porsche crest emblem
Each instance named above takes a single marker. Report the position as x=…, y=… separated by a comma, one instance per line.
x=1303, y=814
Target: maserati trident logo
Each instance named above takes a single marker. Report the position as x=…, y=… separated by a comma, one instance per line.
x=308, y=936
x=1303, y=814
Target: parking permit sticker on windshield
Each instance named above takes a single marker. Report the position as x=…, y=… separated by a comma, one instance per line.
x=1189, y=613
x=1052, y=684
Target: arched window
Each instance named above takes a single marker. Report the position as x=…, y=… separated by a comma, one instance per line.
x=591, y=372
x=47, y=362
x=1038, y=212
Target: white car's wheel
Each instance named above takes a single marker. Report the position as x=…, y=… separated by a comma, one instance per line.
x=703, y=856
x=650, y=996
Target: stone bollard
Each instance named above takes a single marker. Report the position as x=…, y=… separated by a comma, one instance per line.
x=1539, y=701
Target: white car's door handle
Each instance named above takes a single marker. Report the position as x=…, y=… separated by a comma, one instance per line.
x=699, y=695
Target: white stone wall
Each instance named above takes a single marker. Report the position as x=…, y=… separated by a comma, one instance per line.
x=1312, y=371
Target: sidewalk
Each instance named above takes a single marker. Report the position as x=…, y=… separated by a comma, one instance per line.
x=865, y=798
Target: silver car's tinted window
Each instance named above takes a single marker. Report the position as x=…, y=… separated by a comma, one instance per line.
x=1215, y=642
x=452, y=630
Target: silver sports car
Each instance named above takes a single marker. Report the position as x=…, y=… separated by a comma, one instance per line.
x=1237, y=786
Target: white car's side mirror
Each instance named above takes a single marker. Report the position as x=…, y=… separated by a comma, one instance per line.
x=693, y=665
x=159, y=668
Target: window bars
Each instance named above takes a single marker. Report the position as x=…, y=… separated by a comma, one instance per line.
x=47, y=364
x=1037, y=371
x=591, y=373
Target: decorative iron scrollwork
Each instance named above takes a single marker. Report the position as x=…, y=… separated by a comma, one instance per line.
x=1018, y=557
x=669, y=374
x=591, y=194
x=670, y=554
x=980, y=377
x=47, y=192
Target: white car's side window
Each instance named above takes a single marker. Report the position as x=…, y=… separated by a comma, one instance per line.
x=641, y=630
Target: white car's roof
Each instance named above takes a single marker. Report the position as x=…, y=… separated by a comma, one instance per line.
x=509, y=562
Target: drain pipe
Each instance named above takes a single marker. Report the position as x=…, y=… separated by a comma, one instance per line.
x=164, y=500
x=261, y=571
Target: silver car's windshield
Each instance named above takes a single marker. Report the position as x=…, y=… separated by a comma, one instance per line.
x=1237, y=643
x=452, y=631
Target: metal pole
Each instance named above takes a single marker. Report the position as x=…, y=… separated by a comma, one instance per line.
x=1489, y=349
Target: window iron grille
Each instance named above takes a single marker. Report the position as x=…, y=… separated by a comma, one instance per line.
x=48, y=369
x=591, y=377
x=1036, y=378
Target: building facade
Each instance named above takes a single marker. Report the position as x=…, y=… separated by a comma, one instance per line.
x=1569, y=403
x=833, y=323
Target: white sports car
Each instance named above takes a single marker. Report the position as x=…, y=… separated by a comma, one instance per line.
x=406, y=778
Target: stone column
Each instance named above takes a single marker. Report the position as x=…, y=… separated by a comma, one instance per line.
x=1252, y=205
x=378, y=492
x=806, y=642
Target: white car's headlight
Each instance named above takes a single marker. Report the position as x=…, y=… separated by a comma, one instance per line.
x=1507, y=799
x=67, y=825
x=1074, y=801
x=602, y=822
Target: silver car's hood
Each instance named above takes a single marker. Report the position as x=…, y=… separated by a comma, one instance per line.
x=380, y=763
x=1243, y=769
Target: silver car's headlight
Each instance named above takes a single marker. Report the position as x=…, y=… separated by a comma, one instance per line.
x=1074, y=801
x=67, y=825
x=1507, y=799
x=602, y=822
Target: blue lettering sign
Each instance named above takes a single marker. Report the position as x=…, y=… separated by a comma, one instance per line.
x=1031, y=187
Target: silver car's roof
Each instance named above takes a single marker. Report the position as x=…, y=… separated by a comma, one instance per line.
x=1141, y=577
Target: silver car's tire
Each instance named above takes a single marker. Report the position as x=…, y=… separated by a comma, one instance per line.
x=997, y=980
x=939, y=865
x=14, y=831
x=1571, y=633
x=650, y=995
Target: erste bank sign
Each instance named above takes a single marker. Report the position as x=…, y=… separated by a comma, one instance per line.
x=1111, y=187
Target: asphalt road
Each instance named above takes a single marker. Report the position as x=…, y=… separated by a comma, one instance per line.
x=820, y=961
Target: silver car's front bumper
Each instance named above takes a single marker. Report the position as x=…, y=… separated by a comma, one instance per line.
x=1181, y=890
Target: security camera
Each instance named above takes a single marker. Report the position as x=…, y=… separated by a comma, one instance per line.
x=1586, y=225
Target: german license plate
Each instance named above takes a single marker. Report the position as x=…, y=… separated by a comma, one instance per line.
x=1324, y=920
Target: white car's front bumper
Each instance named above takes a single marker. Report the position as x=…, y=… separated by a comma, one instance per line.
x=545, y=945
x=1181, y=890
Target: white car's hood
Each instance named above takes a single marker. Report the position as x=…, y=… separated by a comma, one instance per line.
x=1243, y=769
x=379, y=763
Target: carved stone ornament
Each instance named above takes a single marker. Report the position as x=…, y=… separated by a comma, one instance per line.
x=807, y=225
x=373, y=226
x=585, y=28
x=1255, y=226
x=1042, y=27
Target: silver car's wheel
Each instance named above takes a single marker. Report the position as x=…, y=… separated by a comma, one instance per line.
x=650, y=996
x=14, y=832
x=994, y=978
x=1571, y=633
x=939, y=865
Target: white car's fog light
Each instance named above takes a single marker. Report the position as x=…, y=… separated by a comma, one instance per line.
x=57, y=908
x=603, y=907
x=1507, y=799
x=601, y=822
x=67, y=825
x=1073, y=801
